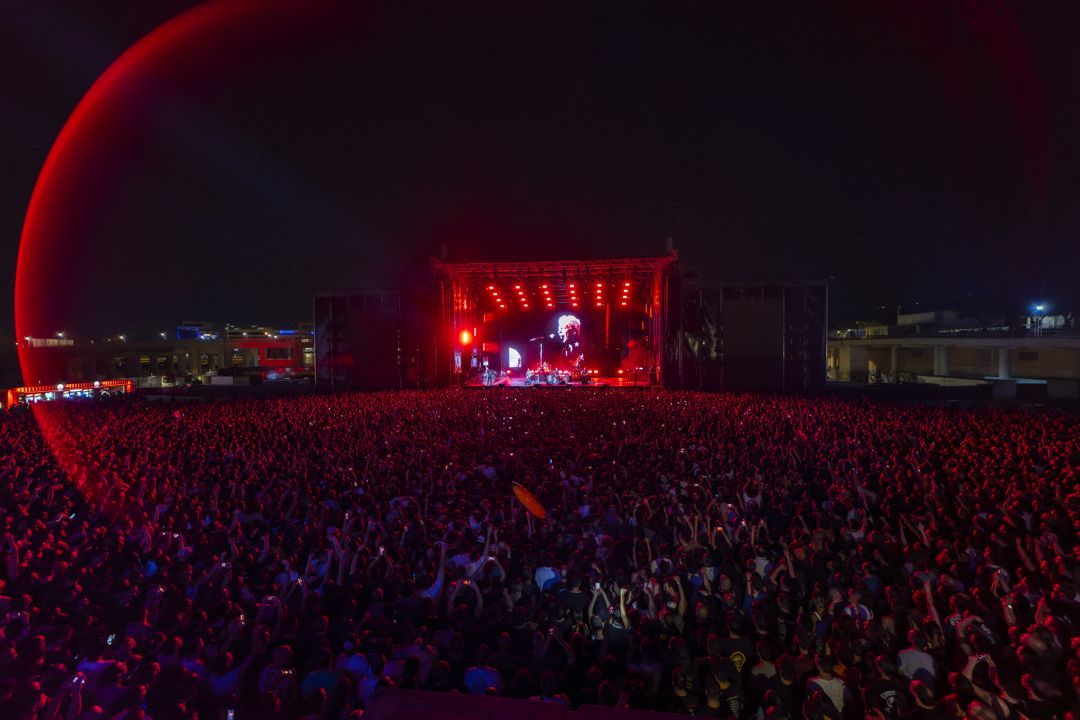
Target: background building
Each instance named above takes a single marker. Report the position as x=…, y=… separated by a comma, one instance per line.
x=950, y=348
x=195, y=352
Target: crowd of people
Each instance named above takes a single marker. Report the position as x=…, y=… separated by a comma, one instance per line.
x=720, y=555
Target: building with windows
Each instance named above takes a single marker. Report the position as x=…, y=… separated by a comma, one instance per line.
x=197, y=352
x=949, y=349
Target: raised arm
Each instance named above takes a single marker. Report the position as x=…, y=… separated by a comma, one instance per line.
x=12, y=565
x=1024, y=557
x=479, y=598
x=440, y=576
x=931, y=605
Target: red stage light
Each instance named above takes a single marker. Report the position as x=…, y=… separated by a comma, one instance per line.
x=599, y=284
x=491, y=287
x=571, y=285
x=623, y=304
x=517, y=287
x=573, y=304
x=466, y=337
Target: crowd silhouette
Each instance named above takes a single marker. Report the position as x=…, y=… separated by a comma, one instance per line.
x=734, y=556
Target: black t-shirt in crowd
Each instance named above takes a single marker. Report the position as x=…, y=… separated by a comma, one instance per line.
x=618, y=637
x=890, y=695
x=740, y=651
x=575, y=601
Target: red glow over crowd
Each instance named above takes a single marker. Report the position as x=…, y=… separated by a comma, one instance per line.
x=727, y=556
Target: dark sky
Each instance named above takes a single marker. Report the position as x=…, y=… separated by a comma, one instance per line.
x=913, y=151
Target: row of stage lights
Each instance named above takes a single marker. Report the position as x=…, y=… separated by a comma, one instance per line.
x=549, y=301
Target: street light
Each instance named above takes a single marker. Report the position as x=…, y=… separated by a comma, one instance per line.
x=1039, y=312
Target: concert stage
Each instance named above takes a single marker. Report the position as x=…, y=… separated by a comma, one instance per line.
x=623, y=322
x=641, y=381
x=555, y=323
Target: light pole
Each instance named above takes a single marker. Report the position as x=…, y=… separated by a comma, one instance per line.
x=1037, y=318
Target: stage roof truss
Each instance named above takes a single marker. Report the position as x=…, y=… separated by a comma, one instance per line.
x=563, y=269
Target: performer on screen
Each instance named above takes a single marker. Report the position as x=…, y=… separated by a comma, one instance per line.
x=569, y=333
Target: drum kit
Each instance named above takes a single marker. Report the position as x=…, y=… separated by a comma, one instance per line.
x=545, y=374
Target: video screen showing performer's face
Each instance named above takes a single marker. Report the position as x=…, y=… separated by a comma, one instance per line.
x=570, y=334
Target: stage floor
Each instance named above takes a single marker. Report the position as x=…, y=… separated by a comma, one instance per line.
x=517, y=382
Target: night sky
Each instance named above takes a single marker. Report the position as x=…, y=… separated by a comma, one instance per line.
x=913, y=151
